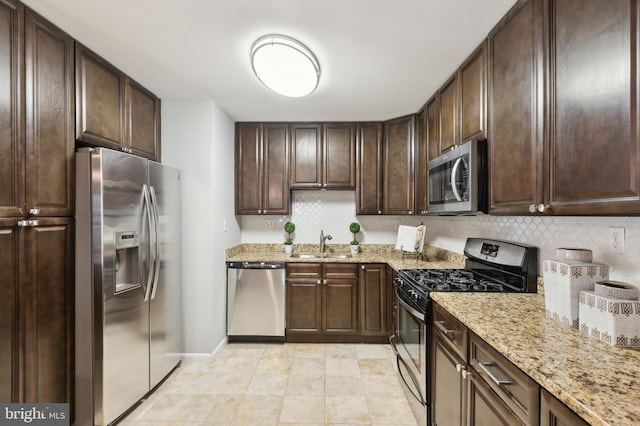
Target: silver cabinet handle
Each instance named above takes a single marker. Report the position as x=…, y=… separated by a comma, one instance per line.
x=319, y=282
x=543, y=208
x=466, y=374
x=485, y=366
x=460, y=367
x=34, y=211
x=445, y=330
x=30, y=222
x=533, y=208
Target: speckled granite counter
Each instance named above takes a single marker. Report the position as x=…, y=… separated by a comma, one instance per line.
x=599, y=382
x=369, y=253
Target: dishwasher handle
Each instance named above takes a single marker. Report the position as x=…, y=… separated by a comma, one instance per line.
x=256, y=265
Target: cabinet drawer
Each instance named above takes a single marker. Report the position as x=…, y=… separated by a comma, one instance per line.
x=512, y=385
x=341, y=271
x=298, y=271
x=451, y=330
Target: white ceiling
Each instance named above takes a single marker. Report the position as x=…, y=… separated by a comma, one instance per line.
x=379, y=58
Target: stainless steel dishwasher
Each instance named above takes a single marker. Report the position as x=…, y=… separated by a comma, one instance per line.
x=255, y=301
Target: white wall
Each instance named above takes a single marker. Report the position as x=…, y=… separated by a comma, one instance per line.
x=197, y=137
x=334, y=210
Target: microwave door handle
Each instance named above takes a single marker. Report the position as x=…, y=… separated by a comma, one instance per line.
x=454, y=172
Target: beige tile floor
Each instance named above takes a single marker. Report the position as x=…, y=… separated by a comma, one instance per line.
x=282, y=384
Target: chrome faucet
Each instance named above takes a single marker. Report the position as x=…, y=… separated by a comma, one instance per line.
x=323, y=239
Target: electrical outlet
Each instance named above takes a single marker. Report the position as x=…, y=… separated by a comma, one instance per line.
x=269, y=224
x=616, y=239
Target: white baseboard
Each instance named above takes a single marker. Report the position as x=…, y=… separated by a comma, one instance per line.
x=203, y=356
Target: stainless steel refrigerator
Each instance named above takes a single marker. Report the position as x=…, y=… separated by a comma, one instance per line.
x=128, y=296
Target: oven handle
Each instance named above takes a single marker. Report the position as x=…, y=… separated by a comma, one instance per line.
x=413, y=380
x=392, y=342
x=415, y=313
x=454, y=172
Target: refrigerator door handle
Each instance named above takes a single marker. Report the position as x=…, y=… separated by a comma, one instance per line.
x=151, y=222
x=156, y=246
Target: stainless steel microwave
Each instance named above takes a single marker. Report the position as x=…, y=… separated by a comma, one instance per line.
x=458, y=180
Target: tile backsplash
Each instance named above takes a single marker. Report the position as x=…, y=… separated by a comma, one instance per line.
x=333, y=211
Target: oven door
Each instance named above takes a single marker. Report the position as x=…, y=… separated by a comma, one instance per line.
x=410, y=344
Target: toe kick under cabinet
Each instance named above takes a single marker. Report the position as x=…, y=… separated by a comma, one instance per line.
x=336, y=302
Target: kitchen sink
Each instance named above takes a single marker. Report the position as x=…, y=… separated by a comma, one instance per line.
x=319, y=256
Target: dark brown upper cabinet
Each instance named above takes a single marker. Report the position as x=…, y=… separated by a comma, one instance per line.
x=12, y=161
x=262, y=168
x=422, y=153
x=369, y=169
x=448, y=95
x=473, y=95
x=399, y=166
x=113, y=111
x=593, y=154
x=99, y=100
x=37, y=140
x=306, y=155
x=433, y=126
x=515, y=52
x=323, y=156
x=142, y=123
x=50, y=112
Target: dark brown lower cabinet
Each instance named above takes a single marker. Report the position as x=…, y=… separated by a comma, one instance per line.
x=373, y=299
x=473, y=384
x=484, y=406
x=322, y=302
x=555, y=413
x=36, y=283
x=448, y=385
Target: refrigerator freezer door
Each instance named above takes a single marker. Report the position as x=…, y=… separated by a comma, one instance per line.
x=166, y=295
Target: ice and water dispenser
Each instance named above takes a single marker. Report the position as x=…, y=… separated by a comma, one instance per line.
x=127, y=276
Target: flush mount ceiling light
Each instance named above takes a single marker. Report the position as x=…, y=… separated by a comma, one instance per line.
x=285, y=65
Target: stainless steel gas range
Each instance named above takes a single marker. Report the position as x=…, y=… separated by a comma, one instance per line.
x=490, y=266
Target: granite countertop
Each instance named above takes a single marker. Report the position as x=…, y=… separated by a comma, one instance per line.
x=434, y=258
x=599, y=382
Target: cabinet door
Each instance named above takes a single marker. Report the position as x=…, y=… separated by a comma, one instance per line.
x=447, y=393
x=306, y=155
x=248, y=168
x=11, y=109
x=484, y=407
x=9, y=350
x=275, y=159
x=99, y=100
x=399, y=166
x=47, y=285
x=433, y=127
x=50, y=114
x=373, y=300
x=422, y=148
x=339, y=159
x=340, y=299
x=304, y=299
x=449, y=137
x=473, y=96
x=555, y=413
x=594, y=149
x=369, y=169
x=142, y=123
x=515, y=110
